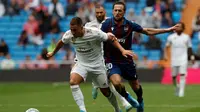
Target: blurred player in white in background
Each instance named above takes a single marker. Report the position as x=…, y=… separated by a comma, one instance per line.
x=181, y=46
x=100, y=17
x=88, y=48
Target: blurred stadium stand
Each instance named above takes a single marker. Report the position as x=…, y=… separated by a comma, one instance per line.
x=12, y=26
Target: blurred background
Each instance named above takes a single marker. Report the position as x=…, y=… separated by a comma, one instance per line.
x=31, y=28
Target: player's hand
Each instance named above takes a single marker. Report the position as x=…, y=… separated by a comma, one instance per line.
x=49, y=54
x=127, y=53
x=110, y=35
x=173, y=28
x=135, y=56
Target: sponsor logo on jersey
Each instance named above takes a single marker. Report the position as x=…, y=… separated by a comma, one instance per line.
x=112, y=28
x=84, y=50
x=121, y=40
x=126, y=28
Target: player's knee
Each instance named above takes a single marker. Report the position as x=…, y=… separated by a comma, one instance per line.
x=73, y=82
x=116, y=83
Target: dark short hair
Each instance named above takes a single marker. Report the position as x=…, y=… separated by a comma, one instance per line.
x=99, y=6
x=119, y=3
x=182, y=24
x=76, y=21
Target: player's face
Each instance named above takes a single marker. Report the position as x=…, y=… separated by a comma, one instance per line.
x=118, y=12
x=179, y=28
x=76, y=30
x=100, y=14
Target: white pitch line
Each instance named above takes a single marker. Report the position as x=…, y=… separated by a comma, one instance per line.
x=162, y=87
x=106, y=105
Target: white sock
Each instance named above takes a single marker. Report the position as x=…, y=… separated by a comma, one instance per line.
x=124, y=102
x=182, y=86
x=112, y=99
x=78, y=97
x=94, y=86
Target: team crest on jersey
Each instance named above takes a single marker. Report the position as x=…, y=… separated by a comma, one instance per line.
x=73, y=39
x=88, y=31
x=126, y=28
x=112, y=28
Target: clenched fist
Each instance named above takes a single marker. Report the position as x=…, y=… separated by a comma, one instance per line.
x=49, y=54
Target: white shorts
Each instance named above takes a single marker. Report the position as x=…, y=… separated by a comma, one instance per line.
x=98, y=74
x=176, y=70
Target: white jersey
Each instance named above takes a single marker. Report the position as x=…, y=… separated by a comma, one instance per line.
x=94, y=23
x=179, y=48
x=89, y=47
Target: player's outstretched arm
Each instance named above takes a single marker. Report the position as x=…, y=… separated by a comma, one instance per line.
x=113, y=40
x=58, y=46
x=166, y=52
x=153, y=31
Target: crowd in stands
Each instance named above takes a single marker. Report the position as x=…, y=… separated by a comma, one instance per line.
x=46, y=16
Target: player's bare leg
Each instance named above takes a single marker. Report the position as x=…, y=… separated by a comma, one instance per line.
x=137, y=88
x=75, y=80
x=116, y=81
x=111, y=98
x=124, y=102
x=182, y=85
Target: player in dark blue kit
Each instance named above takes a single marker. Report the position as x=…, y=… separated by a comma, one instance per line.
x=118, y=65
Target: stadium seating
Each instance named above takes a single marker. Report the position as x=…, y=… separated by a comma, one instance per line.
x=176, y=16
x=11, y=27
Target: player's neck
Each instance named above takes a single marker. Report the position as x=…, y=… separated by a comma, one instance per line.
x=178, y=33
x=100, y=21
x=119, y=22
x=81, y=34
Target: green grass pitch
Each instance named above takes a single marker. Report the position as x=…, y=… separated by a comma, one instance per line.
x=48, y=97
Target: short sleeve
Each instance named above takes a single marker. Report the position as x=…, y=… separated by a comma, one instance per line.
x=168, y=43
x=103, y=36
x=87, y=25
x=66, y=37
x=136, y=27
x=189, y=43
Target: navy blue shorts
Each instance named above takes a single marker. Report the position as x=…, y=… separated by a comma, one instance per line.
x=125, y=70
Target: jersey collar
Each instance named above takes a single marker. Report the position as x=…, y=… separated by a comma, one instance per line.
x=124, y=22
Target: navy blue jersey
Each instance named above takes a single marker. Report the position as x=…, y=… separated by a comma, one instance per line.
x=124, y=34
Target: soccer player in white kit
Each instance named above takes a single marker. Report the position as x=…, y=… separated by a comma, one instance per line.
x=181, y=46
x=100, y=17
x=88, y=48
